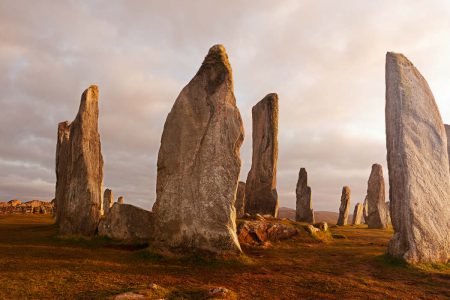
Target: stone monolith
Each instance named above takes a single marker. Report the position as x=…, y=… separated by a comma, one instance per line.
x=240, y=200
x=304, y=211
x=376, y=217
x=357, y=214
x=365, y=210
x=261, y=195
x=79, y=169
x=345, y=205
x=418, y=166
x=108, y=201
x=121, y=200
x=199, y=163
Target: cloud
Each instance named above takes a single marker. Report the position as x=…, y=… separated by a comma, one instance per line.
x=324, y=59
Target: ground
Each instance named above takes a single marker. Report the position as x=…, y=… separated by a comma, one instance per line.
x=36, y=263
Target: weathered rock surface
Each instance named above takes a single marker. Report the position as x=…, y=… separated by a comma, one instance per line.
x=345, y=205
x=79, y=169
x=127, y=223
x=418, y=166
x=14, y=202
x=240, y=200
x=388, y=212
x=121, y=200
x=261, y=186
x=357, y=214
x=258, y=232
x=108, y=201
x=304, y=211
x=365, y=210
x=376, y=217
x=199, y=163
x=447, y=131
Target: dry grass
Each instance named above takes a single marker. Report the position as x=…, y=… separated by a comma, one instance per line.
x=35, y=263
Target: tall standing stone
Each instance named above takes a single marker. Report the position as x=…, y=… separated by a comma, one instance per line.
x=345, y=205
x=240, y=200
x=366, y=210
x=357, y=214
x=261, y=195
x=304, y=211
x=418, y=166
x=79, y=169
x=376, y=217
x=108, y=201
x=199, y=162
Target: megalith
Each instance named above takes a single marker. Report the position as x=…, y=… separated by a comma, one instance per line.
x=345, y=205
x=199, y=163
x=108, y=201
x=240, y=200
x=304, y=211
x=418, y=164
x=79, y=169
x=261, y=195
x=357, y=214
x=376, y=217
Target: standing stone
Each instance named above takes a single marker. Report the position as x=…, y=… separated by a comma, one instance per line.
x=418, y=166
x=261, y=195
x=79, y=169
x=357, y=214
x=366, y=210
x=376, y=217
x=121, y=200
x=345, y=205
x=447, y=131
x=304, y=211
x=240, y=200
x=388, y=212
x=108, y=201
x=199, y=163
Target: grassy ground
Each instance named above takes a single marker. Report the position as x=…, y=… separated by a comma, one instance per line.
x=35, y=263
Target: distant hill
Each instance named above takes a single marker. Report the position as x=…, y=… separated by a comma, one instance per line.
x=320, y=216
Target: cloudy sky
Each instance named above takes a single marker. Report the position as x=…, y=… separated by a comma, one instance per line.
x=325, y=59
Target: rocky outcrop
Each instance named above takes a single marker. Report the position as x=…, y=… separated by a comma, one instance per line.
x=418, y=166
x=127, y=223
x=357, y=214
x=199, y=163
x=240, y=200
x=121, y=200
x=345, y=205
x=108, y=201
x=261, y=186
x=376, y=217
x=259, y=232
x=304, y=211
x=79, y=169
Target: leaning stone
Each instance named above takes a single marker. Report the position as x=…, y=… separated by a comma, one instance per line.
x=199, y=163
x=261, y=186
x=127, y=223
x=79, y=170
x=418, y=164
x=304, y=211
x=345, y=205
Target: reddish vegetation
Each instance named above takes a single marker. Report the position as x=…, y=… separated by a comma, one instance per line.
x=34, y=263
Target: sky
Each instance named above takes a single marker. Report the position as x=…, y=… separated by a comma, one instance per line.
x=325, y=59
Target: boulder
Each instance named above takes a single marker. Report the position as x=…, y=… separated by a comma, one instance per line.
x=261, y=186
x=345, y=205
x=240, y=200
x=199, y=163
x=127, y=223
x=304, y=211
x=357, y=214
x=376, y=217
x=14, y=202
x=259, y=232
x=108, y=201
x=418, y=164
x=79, y=170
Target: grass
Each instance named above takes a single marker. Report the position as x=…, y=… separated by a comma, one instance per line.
x=36, y=263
